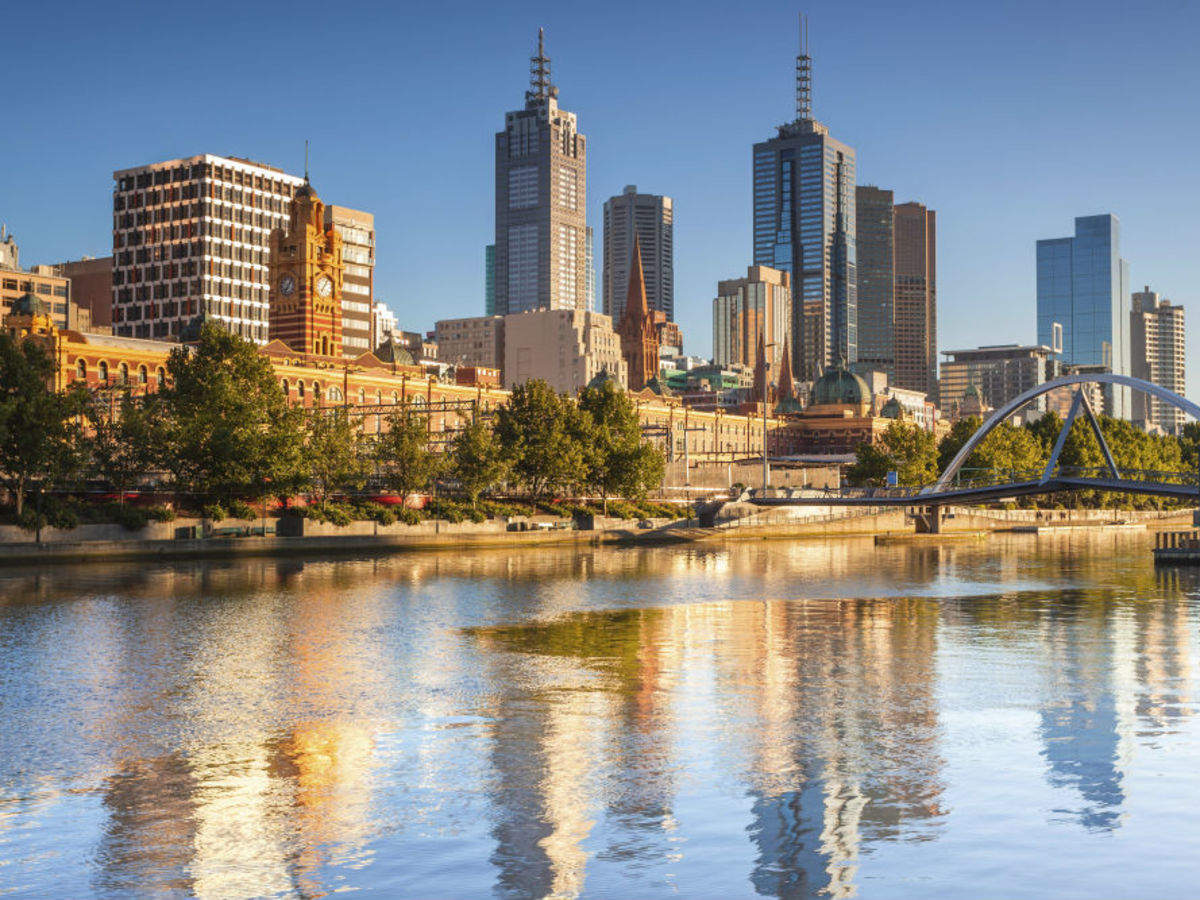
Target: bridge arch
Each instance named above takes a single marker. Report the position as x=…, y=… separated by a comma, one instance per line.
x=1017, y=403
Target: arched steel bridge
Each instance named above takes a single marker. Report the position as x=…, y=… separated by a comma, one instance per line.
x=1053, y=478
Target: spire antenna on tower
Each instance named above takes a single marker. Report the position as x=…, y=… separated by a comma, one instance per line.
x=306, y=160
x=803, y=74
x=540, y=84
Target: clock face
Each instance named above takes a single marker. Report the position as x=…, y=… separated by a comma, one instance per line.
x=287, y=285
x=324, y=286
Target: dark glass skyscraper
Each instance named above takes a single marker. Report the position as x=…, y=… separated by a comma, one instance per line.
x=876, y=278
x=804, y=224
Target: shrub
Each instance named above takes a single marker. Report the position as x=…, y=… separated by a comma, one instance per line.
x=409, y=516
x=240, y=509
x=477, y=515
x=213, y=511
x=339, y=516
x=132, y=518
x=160, y=513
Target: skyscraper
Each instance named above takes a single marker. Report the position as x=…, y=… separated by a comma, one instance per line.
x=648, y=220
x=915, y=329
x=804, y=224
x=489, y=279
x=1083, y=285
x=745, y=310
x=1157, y=355
x=541, y=192
x=191, y=238
x=875, y=236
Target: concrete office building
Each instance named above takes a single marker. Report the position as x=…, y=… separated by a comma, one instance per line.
x=915, y=316
x=747, y=308
x=566, y=348
x=383, y=323
x=541, y=197
x=805, y=225
x=648, y=220
x=357, y=231
x=1083, y=285
x=874, y=237
x=191, y=239
x=1157, y=336
x=53, y=290
x=999, y=373
x=473, y=341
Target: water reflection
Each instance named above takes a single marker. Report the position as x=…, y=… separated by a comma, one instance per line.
x=562, y=724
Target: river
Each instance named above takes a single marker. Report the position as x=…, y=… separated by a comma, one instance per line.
x=1012, y=718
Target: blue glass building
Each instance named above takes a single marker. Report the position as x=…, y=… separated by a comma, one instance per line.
x=1083, y=285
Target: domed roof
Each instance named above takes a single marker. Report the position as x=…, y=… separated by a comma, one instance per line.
x=789, y=406
x=972, y=393
x=657, y=386
x=602, y=378
x=29, y=304
x=840, y=387
x=392, y=351
x=892, y=409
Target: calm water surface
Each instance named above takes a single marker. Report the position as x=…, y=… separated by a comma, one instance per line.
x=1013, y=718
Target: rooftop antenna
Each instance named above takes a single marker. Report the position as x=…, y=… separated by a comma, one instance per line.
x=306, y=160
x=540, y=85
x=803, y=75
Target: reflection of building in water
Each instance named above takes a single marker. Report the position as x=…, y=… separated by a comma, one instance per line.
x=272, y=716
x=832, y=704
x=859, y=729
x=1116, y=671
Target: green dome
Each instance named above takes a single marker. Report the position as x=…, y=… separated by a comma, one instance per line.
x=657, y=386
x=392, y=351
x=972, y=393
x=892, y=409
x=840, y=387
x=29, y=305
x=602, y=378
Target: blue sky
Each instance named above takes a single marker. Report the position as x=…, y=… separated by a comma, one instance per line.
x=1008, y=119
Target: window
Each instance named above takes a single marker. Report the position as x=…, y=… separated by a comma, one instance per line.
x=160, y=376
x=103, y=371
x=286, y=388
x=335, y=395
x=300, y=389
x=81, y=369
x=122, y=374
x=522, y=187
x=143, y=376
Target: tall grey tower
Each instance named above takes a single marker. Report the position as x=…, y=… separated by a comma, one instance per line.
x=541, y=192
x=804, y=223
x=649, y=218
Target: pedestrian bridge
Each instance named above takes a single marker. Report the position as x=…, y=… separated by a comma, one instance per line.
x=1053, y=478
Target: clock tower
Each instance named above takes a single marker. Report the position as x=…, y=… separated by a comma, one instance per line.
x=306, y=279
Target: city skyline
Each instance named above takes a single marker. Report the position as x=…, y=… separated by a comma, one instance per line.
x=986, y=272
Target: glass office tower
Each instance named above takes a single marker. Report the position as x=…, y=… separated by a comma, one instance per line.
x=1083, y=284
x=804, y=224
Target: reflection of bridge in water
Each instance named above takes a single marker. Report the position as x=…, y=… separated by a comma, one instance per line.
x=950, y=488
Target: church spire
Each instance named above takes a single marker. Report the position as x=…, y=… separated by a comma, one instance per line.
x=787, y=384
x=639, y=335
x=635, y=295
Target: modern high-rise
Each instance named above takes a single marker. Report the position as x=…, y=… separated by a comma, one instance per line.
x=357, y=231
x=650, y=219
x=749, y=310
x=191, y=239
x=915, y=316
x=1083, y=285
x=875, y=236
x=1157, y=337
x=489, y=279
x=590, y=263
x=541, y=193
x=804, y=224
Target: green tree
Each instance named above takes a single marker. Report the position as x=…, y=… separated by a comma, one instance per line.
x=619, y=462
x=228, y=431
x=406, y=463
x=124, y=440
x=478, y=459
x=905, y=448
x=337, y=457
x=540, y=433
x=40, y=433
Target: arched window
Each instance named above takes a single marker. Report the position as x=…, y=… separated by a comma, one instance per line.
x=317, y=393
x=395, y=398
x=143, y=376
x=379, y=397
x=362, y=397
x=103, y=372
x=81, y=369
x=335, y=395
x=300, y=389
x=160, y=375
x=287, y=391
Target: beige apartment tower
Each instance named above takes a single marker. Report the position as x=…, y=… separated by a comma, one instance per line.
x=541, y=256
x=915, y=297
x=357, y=231
x=1158, y=353
x=745, y=309
x=566, y=348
